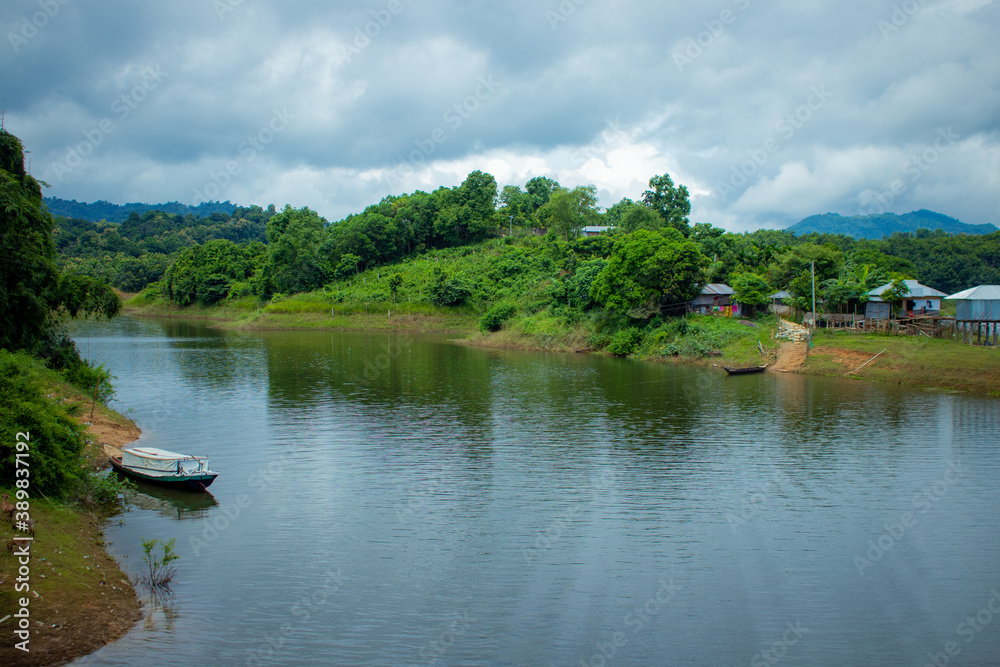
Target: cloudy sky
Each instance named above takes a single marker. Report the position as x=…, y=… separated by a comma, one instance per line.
x=768, y=111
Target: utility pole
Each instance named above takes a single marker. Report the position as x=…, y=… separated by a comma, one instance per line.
x=813, y=269
x=511, y=226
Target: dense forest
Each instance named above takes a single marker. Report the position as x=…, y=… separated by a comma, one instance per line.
x=261, y=252
x=35, y=298
x=104, y=210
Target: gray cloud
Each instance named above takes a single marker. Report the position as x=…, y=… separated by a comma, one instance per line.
x=767, y=111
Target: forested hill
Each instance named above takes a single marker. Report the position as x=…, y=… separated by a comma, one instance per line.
x=103, y=210
x=886, y=224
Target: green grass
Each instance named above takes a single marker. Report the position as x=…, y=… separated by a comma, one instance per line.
x=911, y=360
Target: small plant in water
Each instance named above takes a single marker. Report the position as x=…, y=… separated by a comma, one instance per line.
x=161, y=572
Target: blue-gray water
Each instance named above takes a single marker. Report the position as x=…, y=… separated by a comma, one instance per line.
x=395, y=500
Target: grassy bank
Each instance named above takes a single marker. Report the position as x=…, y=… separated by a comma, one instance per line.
x=535, y=324
x=312, y=311
x=79, y=599
x=915, y=361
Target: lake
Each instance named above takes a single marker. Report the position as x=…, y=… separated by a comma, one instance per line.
x=398, y=499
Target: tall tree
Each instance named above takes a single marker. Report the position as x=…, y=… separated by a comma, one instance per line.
x=567, y=211
x=673, y=204
x=648, y=270
x=31, y=293
x=294, y=261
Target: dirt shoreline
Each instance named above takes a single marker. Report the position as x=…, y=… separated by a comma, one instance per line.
x=80, y=599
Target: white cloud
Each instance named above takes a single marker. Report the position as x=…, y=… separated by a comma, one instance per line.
x=562, y=94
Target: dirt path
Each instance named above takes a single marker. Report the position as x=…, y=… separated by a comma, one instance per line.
x=791, y=356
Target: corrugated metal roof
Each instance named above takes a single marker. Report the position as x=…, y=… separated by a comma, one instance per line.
x=717, y=288
x=783, y=294
x=917, y=291
x=981, y=292
x=596, y=229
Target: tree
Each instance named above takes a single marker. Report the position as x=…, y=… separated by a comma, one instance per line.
x=672, y=203
x=567, y=211
x=540, y=190
x=294, y=261
x=750, y=289
x=31, y=289
x=205, y=273
x=449, y=291
x=629, y=216
x=395, y=282
x=515, y=207
x=347, y=266
x=648, y=270
x=896, y=292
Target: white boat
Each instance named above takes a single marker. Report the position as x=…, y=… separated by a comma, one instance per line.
x=159, y=466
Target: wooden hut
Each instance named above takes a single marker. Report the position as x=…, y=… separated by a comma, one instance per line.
x=977, y=312
x=779, y=303
x=715, y=297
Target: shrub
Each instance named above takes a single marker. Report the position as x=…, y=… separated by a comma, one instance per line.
x=104, y=491
x=494, y=318
x=449, y=291
x=624, y=342
x=55, y=441
x=161, y=572
x=598, y=341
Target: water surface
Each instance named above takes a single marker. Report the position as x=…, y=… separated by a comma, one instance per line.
x=394, y=499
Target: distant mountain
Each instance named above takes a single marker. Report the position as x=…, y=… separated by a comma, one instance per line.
x=878, y=226
x=102, y=210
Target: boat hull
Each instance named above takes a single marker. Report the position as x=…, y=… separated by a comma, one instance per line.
x=199, y=482
x=744, y=371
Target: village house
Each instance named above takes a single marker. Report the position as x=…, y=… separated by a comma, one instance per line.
x=779, y=303
x=714, y=298
x=977, y=313
x=922, y=300
x=594, y=230
x=980, y=303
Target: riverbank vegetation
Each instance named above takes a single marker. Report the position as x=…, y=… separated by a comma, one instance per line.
x=510, y=267
x=50, y=401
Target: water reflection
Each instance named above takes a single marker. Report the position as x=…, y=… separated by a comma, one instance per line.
x=538, y=499
x=173, y=503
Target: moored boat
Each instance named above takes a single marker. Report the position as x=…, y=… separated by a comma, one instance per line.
x=159, y=466
x=745, y=370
